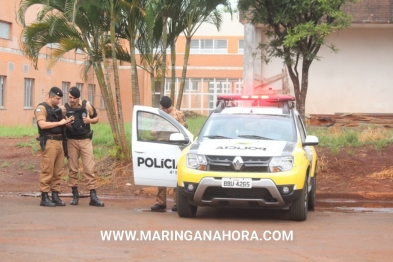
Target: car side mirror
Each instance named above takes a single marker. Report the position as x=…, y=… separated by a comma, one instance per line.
x=179, y=138
x=311, y=141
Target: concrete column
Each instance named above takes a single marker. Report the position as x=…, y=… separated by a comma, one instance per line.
x=248, y=70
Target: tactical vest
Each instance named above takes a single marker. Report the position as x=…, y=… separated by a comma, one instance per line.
x=78, y=129
x=52, y=115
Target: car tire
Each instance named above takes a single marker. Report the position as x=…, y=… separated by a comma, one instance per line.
x=184, y=209
x=312, y=194
x=298, y=210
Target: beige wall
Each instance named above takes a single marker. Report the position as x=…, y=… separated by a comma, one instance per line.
x=359, y=78
x=68, y=69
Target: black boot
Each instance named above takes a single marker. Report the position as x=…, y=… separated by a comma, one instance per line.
x=75, y=196
x=56, y=199
x=94, y=201
x=45, y=200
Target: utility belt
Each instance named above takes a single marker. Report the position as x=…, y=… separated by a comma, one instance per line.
x=54, y=137
x=82, y=137
x=43, y=139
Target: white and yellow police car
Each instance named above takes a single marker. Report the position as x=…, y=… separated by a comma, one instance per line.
x=252, y=152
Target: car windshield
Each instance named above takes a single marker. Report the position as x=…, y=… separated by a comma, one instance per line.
x=247, y=126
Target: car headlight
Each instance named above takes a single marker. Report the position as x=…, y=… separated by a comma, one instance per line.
x=279, y=163
x=195, y=161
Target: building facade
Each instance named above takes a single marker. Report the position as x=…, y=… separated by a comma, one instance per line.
x=215, y=65
x=357, y=79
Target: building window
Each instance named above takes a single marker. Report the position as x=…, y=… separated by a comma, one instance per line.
x=28, y=96
x=241, y=47
x=5, y=30
x=54, y=45
x=191, y=85
x=65, y=86
x=92, y=90
x=80, y=87
x=2, y=87
x=209, y=46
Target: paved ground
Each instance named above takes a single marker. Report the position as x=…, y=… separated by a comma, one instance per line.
x=29, y=232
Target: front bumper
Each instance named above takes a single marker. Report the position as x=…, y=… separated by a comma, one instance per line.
x=264, y=193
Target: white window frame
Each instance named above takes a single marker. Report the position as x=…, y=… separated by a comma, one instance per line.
x=209, y=46
x=28, y=93
x=2, y=92
x=80, y=87
x=53, y=45
x=5, y=30
x=240, y=49
x=91, y=93
x=65, y=86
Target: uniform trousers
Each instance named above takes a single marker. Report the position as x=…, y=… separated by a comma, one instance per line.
x=161, y=196
x=52, y=162
x=81, y=149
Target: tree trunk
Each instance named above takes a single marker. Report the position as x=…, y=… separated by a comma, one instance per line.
x=184, y=73
x=153, y=88
x=136, y=98
x=124, y=144
x=164, y=45
x=108, y=99
x=173, y=77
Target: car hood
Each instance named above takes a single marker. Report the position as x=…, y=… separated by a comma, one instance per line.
x=246, y=147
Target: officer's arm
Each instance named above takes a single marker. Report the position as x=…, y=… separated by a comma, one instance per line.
x=47, y=125
x=92, y=117
x=40, y=114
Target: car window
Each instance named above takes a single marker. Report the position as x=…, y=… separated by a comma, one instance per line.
x=152, y=127
x=302, y=130
x=264, y=127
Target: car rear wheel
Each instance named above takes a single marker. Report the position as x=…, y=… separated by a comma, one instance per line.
x=299, y=208
x=184, y=209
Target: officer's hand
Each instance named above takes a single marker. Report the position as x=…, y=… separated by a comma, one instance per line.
x=87, y=120
x=70, y=121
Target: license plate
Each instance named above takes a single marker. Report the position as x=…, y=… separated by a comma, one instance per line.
x=236, y=182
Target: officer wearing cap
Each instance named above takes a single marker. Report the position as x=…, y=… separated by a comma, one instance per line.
x=79, y=144
x=166, y=106
x=50, y=123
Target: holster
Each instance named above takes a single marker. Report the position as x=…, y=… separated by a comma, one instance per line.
x=90, y=135
x=42, y=140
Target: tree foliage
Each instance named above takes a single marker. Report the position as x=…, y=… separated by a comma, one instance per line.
x=296, y=30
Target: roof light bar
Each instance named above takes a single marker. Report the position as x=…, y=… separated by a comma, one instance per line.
x=267, y=98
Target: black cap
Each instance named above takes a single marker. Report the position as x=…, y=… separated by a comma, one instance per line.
x=166, y=102
x=74, y=91
x=57, y=91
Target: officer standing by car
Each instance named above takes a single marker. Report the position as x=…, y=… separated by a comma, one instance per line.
x=50, y=122
x=166, y=106
x=80, y=145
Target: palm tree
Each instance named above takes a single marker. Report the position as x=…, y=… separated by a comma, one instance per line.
x=73, y=26
x=197, y=12
x=149, y=44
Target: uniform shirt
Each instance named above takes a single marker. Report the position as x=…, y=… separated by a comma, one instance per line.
x=89, y=108
x=40, y=113
x=164, y=135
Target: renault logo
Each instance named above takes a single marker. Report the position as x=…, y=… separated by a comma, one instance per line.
x=237, y=163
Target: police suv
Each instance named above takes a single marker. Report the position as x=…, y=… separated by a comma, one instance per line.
x=252, y=152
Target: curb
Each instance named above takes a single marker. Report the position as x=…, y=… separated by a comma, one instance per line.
x=356, y=195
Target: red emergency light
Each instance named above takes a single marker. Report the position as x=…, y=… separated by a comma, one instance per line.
x=267, y=98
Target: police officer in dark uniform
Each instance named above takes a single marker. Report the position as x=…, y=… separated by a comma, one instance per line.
x=79, y=144
x=50, y=123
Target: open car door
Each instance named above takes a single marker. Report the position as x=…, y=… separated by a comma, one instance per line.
x=157, y=141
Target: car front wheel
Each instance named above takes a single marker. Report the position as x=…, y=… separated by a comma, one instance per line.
x=184, y=209
x=298, y=210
